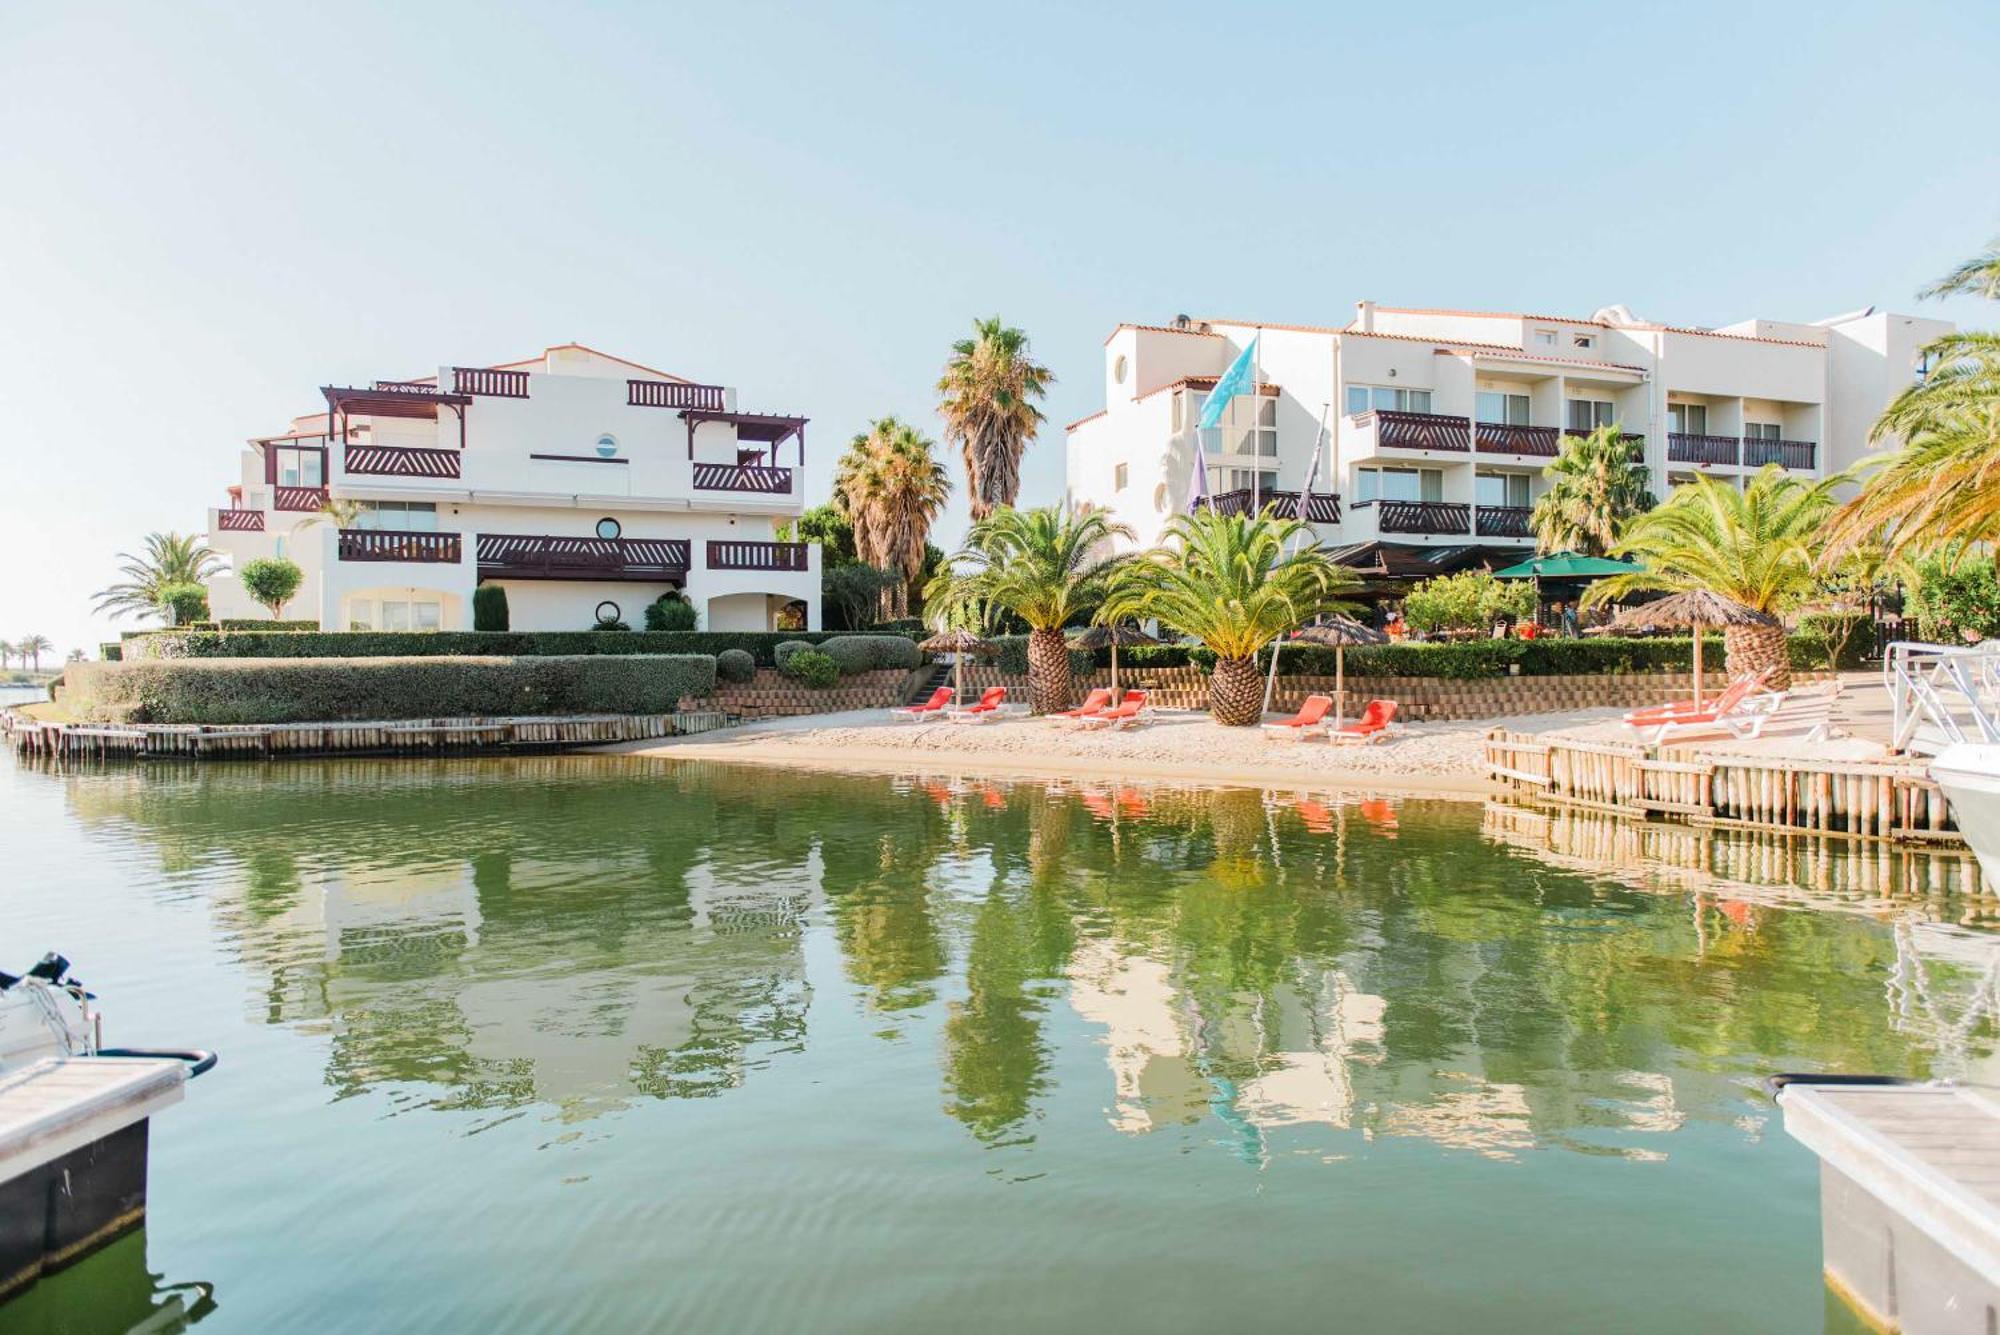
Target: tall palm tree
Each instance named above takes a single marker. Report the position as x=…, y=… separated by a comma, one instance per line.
x=6, y=654
x=1049, y=567
x=1596, y=486
x=1231, y=582
x=1943, y=486
x=169, y=558
x=987, y=396
x=33, y=648
x=892, y=488
x=1756, y=546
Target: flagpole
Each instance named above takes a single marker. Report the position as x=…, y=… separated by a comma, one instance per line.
x=1305, y=507
x=1257, y=419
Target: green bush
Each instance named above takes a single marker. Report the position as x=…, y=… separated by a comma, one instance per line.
x=909, y=627
x=785, y=651
x=1844, y=640
x=612, y=626
x=307, y=691
x=455, y=643
x=812, y=668
x=187, y=602
x=735, y=665
x=866, y=653
x=1460, y=660
x=489, y=607
x=1956, y=605
x=264, y=624
x=1470, y=600
x=669, y=613
x=270, y=582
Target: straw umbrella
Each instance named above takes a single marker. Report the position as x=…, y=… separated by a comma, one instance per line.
x=1693, y=610
x=1337, y=633
x=958, y=643
x=1097, y=637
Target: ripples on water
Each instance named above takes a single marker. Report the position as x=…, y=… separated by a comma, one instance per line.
x=567, y=1042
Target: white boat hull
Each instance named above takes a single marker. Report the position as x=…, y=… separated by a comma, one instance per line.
x=1969, y=774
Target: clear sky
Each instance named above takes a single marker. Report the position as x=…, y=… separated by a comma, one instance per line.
x=208, y=210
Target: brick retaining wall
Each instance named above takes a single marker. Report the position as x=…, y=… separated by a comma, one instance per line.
x=769, y=695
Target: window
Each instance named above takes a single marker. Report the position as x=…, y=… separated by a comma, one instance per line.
x=298, y=466
x=608, y=527
x=1545, y=338
x=1386, y=398
x=395, y=614
x=1585, y=341
x=1920, y=371
x=1588, y=414
x=1501, y=489
x=1246, y=427
x=1687, y=419
x=607, y=446
x=1119, y=367
x=1505, y=409
x=607, y=611
x=1763, y=431
x=397, y=516
x=1180, y=411
x=1242, y=479
x=1399, y=484
x=1120, y=476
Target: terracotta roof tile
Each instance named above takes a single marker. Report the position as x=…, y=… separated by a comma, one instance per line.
x=1158, y=329
x=1092, y=418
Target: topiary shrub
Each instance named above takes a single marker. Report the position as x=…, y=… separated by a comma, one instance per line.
x=670, y=612
x=785, y=650
x=850, y=653
x=735, y=665
x=271, y=582
x=489, y=608
x=813, y=669
x=185, y=604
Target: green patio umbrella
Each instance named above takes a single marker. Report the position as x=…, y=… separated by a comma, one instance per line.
x=1337, y=633
x=1097, y=637
x=958, y=643
x=1568, y=565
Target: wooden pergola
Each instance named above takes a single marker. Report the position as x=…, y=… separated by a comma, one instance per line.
x=770, y=429
x=390, y=398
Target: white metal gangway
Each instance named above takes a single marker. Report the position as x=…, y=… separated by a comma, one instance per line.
x=1943, y=694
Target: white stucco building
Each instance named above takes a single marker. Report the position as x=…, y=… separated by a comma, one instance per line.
x=1439, y=423
x=584, y=484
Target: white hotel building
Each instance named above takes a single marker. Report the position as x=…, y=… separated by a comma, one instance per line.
x=1439, y=423
x=583, y=484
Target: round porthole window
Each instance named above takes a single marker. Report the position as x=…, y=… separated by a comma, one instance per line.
x=1119, y=367
x=608, y=527
x=607, y=612
x=607, y=446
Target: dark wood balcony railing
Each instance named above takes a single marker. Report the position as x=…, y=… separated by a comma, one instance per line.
x=375, y=544
x=1500, y=438
x=743, y=477
x=1324, y=508
x=1416, y=431
x=405, y=387
x=1504, y=521
x=756, y=555
x=240, y=521
x=672, y=394
x=545, y=556
x=298, y=498
x=1686, y=449
x=1443, y=518
x=1789, y=453
x=493, y=384
x=397, y=461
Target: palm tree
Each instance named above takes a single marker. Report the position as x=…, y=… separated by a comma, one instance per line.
x=6, y=654
x=1943, y=486
x=1596, y=486
x=1230, y=582
x=34, y=647
x=1049, y=567
x=170, y=558
x=1756, y=546
x=988, y=391
x=892, y=488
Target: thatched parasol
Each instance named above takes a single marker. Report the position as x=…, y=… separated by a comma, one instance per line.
x=1691, y=611
x=1098, y=637
x=1337, y=633
x=958, y=643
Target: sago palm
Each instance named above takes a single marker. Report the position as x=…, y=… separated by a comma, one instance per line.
x=1049, y=567
x=987, y=399
x=1757, y=546
x=1236, y=583
x=1596, y=486
x=892, y=488
x=170, y=558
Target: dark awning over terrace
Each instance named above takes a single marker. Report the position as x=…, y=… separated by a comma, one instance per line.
x=390, y=398
x=765, y=428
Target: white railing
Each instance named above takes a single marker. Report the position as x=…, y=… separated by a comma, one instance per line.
x=1955, y=690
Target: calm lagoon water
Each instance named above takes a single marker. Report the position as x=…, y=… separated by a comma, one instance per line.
x=576, y=1043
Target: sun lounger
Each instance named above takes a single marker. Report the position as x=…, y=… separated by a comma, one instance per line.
x=985, y=711
x=1132, y=711
x=1371, y=727
x=1732, y=696
x=930, y=708
x=1742, y=718
x=1096, y=702
x=1309, y=715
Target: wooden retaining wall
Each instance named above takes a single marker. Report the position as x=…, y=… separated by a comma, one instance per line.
x=1879, y=799
x=162, y=741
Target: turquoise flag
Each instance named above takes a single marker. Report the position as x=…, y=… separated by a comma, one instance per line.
x=1236, y=380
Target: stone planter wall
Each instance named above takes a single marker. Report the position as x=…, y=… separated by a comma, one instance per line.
x=770, y=695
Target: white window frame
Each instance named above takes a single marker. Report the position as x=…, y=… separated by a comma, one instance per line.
x=1545, y=338
x=1510, y=405
x=1584, y=341
x=1763, y=431
x=1602, y=412
x=1368, y=483
x=1684, y=409
x=1512, y=483
x=1387, y=398
x=1121, y=474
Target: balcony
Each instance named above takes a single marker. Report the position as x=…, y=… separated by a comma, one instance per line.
x=1686, y=449
x=240, y=521
x=757, y=556
x=672, y=394
x=298, y=498
x=1799, y=454
x=397, y=461
x=491, y=383
x=1501, y=438
x=1416, y=431
x=1503, y=521
x=742, y=477
x=545, y=556
x=1425, y=518
x=372, y=544
x=1323, y=508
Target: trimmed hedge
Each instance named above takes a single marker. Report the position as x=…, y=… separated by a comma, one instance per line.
x=736, y=666
x=1462, y=660
x=1013, y=656
x=866, y=653
x=302, y=691
x=184, y=643
x=489, y=608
